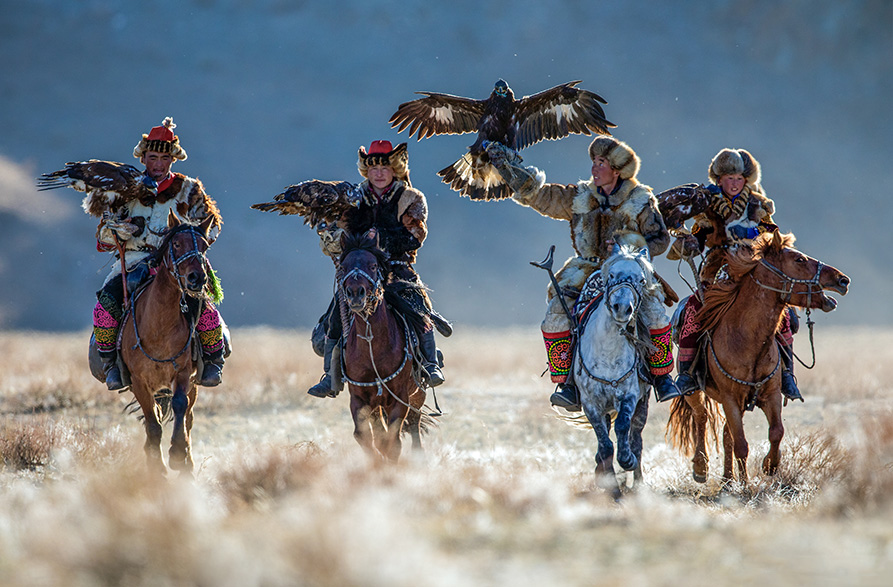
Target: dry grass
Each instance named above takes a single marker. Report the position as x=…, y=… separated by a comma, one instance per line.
x=503, y=495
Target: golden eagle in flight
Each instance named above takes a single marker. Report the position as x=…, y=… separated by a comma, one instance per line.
x=316, y=200
x=552, y=114
x=108, y=184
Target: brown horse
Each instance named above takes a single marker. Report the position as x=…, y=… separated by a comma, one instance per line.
x=158, y=339
x=378, y=357
x=740, y=317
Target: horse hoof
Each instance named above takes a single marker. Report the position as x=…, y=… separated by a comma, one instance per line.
x=699, y=477
x=628, y=465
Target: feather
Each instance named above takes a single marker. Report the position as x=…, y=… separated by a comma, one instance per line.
x=315, y=200
x=108, y=184
x=552, y=114
x=682, y=202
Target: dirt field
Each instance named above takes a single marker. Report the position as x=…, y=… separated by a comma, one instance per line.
x=504, y=494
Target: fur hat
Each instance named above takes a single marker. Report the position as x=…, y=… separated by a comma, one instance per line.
x=619, y=155
x=732, y=161
x=161, y=139
x=382, y=153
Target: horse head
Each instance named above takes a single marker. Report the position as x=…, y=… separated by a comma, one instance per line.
x=800, y=279
x=627, y=274
x=182, y=253
x=363, y=265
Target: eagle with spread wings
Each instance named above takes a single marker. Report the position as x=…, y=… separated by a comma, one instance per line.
x=318, y=202
x=552, y=114
x=108, y=184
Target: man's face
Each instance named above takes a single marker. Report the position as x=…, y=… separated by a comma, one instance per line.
x=732, y=184
x=380, y=176
x=603, y=175
x=158, y=165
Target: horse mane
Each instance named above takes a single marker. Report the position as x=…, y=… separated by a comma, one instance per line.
x=631, y=252
x=363, y=242
x=741, y=261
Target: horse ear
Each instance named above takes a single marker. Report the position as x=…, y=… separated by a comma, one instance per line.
x=644, y=254
x=205, y=226
x=615, y=249
x=172, y=219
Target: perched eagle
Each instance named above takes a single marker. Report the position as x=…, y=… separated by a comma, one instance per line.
x=317, y=201
x=551, y=114
x=682, y=202
x=108, y=184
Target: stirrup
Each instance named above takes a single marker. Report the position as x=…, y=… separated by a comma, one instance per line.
x=435, y=375
x=789, y=386
x=212, y=375
x=566, y=398
x=113, y=378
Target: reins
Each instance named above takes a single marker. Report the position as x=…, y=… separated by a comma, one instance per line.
x=173, y=269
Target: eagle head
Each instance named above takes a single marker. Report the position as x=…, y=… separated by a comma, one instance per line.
x=502, y=89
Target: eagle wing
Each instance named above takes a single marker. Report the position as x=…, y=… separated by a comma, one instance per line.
x=558, y=112
x=438, y=114
x=315, y=200
x=682, y=202
x=108, y=184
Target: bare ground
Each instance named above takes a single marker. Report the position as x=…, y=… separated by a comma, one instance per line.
x=503, y=495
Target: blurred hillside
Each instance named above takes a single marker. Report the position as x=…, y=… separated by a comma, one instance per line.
x=271, y=92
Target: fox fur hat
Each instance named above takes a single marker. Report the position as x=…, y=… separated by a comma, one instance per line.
x=620, y=155
x=161, y=139
x=734, y=161
x=382, y=153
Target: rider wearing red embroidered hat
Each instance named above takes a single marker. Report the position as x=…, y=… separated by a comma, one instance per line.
x=137, y=230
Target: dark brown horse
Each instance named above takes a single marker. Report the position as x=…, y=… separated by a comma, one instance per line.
x=740, y=316
x=385, y=395
x=157, y=340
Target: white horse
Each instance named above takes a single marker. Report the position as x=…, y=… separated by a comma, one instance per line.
x=606, y=365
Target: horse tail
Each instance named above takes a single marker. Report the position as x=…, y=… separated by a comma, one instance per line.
x=681, y=430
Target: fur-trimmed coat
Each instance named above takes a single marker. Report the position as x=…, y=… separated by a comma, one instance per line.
x=185, y=196
x=400, y=216
x=629, y=215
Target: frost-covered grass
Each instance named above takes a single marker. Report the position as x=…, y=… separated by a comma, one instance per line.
x=504, y=494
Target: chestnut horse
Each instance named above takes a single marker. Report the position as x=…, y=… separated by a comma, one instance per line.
x=158, y=340
x=740, y=317
x=378, y=356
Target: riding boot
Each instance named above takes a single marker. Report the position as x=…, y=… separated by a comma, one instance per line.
x=113, y=378
x=788, y=381
x=665, y=388
x=686, y=381
x=567, y=397
x=212, y=373
x=428, y=347
x=327, y=383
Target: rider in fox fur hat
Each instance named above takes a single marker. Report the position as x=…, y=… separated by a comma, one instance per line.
x=609, y=207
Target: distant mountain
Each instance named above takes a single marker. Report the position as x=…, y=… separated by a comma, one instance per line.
x=272, y=92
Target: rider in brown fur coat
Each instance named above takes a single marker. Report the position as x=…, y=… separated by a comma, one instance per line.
x=610, y=207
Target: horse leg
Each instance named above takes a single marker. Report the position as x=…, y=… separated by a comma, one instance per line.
x=700, y=462
x=625, y=456
x=604, y=456
x=180, y=404
x=393, y=445
x=379, y=432
x=735, y=428
x=776, y=433
x=362, y=432
x=413, y=423
x=146, y=399
x=640, y=417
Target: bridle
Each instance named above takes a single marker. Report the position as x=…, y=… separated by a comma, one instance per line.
x=373, y=295
x=629, y=283
x=172, y=263
x=813, y=284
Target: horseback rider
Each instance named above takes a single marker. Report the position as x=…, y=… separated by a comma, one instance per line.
x=739, y=206
x=387, y=202
x=610, y=207
x=136, y=231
